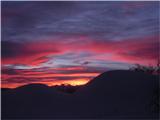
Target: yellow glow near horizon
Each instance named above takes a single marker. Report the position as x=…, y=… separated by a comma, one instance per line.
x=74, y=82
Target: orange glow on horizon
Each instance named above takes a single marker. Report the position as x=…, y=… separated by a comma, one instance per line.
x=75, y=82
x=55, y=82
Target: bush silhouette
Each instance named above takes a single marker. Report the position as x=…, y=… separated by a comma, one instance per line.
x=67, y=88
x=146, y=69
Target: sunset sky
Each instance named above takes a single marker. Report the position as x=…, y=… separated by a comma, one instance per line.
x=72, y=42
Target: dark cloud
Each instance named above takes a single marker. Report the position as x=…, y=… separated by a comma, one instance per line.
x=102, y=20
x=24, y=20
x=10, y=71
x=86, y=63
x=11, y=49
x=26, y=53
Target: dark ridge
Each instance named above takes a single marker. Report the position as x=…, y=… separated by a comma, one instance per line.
x=118, y=73
x=117, y=94
x=5, y=89
x=67, y=88
x=34, y=88
x=124, y=83
x=34, y=85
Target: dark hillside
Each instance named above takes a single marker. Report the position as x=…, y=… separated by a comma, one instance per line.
x=113, y=94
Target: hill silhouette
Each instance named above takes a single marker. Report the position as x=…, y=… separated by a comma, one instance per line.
x=122, y=93
x=113, y=94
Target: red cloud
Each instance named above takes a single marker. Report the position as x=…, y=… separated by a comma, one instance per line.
x=73, y=75
x=33, y=53
x=140, y=50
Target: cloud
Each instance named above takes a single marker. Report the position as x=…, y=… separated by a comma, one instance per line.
x=138, y=49
x=32, y=32
x=75, y=40
x=26, y=53
x=142, y=50
x=11, y=49
x=33, y=53
x=101, y=20
x=62, y=74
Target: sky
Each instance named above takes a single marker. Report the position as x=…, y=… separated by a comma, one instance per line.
x=71, y=42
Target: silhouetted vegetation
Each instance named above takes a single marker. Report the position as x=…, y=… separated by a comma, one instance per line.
x=146, y=69
x=67, y=88
x=150, y=70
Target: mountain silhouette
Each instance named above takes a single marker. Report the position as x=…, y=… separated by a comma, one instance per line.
x=113, y=94
x=5, y=89
x=122, y=93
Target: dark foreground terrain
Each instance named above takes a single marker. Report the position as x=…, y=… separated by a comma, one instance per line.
x=113, y=94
